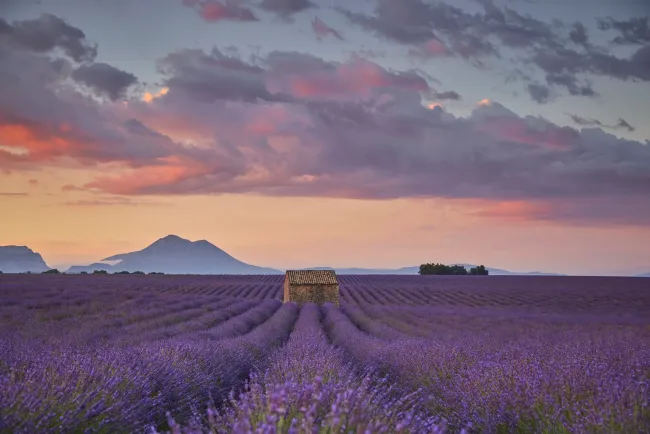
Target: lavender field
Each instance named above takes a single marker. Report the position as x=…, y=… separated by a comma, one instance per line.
x=403, y=354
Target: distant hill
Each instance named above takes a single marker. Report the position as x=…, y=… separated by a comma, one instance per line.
x=175, y=255
x=643, y=275
x=21, y=259
x=415, y=269
x=90, y=268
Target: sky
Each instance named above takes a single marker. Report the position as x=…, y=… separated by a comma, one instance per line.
x=297, y=133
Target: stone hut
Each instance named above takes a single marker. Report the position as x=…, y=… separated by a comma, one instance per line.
x=311, y=286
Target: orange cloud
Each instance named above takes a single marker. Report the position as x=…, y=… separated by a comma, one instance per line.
x=34, y=143
x=511, y=211
x=148, y=97
x=175, y=170
x=484, y=102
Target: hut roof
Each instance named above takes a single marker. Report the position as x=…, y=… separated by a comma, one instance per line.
x=311, y=277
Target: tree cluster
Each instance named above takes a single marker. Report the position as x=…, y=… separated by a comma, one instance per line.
x=452, y=270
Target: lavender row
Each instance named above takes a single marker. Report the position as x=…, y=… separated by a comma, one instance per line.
x=54, y=388
x=310, y=387
x=555, y=379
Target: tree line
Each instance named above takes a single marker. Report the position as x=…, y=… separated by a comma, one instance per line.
x=452, y=270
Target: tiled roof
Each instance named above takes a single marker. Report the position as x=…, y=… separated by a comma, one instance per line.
x=311, y=277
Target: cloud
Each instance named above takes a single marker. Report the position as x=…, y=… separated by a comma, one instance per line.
x=462, y=33
x=111, y=201
x=578, y=34
x=104, y=79
x=43, y=118
x=636, y=30
x=221, y=10
x=539, y=93
x=430, y=49
x=441, y=29
x=46, y=33
x=620, y=124
x=588, y=212
x=322, y=30
x=570, y=82
x=148, y=97
x=286, y=8
x=305, y=76
x=292, y=124
x=11, y=194
x=565, y=62
x=450, y=94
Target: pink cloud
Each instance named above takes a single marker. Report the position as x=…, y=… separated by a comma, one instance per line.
x=358, y=78
x=530, y=130
x=221, y=10
x=290, y=124
x=430, y=49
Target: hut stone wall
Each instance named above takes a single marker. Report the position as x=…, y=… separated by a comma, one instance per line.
x=311, y=287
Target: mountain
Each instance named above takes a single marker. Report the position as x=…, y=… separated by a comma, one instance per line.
x=414, y=270
x=21, y=259
x=175, y=255
x=643, y=275
x=90, y=268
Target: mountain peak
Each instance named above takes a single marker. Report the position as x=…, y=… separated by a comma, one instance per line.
x=175, y=255
x=18, y=259
x=173, y=238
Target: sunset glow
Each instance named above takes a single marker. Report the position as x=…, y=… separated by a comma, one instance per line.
x=325, y=132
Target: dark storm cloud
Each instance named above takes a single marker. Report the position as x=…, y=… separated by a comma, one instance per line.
x=105, y=79
x=47, y=33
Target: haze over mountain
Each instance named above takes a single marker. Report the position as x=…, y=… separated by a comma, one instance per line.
x=175, y=255
x=415, y=269
x=21, y=259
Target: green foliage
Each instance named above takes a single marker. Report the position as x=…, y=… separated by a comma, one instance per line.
x=100, y=272
x=138, y=272
x=156, y=272
x=479, y=271
x=122, y=272
x=451, y=270
x=442, y=269
x=52, y=271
